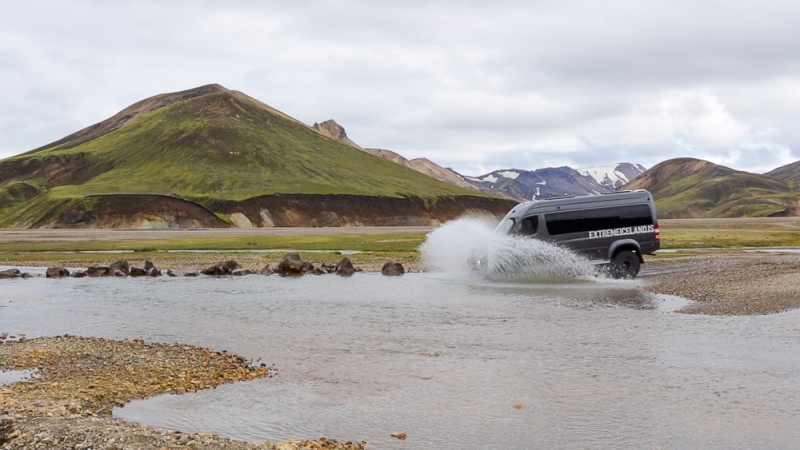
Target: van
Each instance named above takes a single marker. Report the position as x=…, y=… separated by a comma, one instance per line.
x=614, y=229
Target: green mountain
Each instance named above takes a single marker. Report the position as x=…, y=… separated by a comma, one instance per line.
x=216, y=152
x=789, y=172
x=688, y=187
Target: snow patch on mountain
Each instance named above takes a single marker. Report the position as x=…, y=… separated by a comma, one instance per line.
x=509, y=174
x=613, y=176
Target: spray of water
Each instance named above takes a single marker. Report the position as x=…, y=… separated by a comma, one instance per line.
x=468, y=244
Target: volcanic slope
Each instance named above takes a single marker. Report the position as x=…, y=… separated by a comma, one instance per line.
x=789, y=172
x=688, y=187
x=219, y=151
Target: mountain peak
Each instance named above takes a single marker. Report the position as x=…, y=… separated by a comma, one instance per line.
x=334, y=131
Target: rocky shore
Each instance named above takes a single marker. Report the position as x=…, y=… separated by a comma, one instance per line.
x=728, y=282
x=77, y=381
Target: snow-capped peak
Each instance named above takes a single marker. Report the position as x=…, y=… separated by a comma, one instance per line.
x=614, y=176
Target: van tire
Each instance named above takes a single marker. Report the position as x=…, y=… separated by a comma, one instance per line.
x=624, y=265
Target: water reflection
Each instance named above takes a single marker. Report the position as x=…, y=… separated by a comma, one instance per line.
x=596, y=364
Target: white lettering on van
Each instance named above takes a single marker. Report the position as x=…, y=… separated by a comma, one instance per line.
x=642, y=229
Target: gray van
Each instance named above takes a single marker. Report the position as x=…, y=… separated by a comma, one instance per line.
x=614, y=229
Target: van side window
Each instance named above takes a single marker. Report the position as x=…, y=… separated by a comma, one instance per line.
x=598, y=219
x=527, y=226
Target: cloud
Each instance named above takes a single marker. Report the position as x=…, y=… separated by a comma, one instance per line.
x=471, y=85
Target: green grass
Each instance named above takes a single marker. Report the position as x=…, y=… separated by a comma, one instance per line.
x=404, y=242
x=219, y=146
x=728, y=237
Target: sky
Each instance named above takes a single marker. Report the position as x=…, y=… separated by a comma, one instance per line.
x=472, y=85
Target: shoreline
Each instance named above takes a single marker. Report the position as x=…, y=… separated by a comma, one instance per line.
x=78, y=380
x=719, y=282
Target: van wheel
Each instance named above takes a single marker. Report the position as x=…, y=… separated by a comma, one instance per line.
x=624, y=265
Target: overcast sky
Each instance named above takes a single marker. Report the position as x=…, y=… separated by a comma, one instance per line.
x=472, y=85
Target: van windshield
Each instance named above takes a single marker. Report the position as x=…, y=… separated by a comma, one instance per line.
x=505, y=226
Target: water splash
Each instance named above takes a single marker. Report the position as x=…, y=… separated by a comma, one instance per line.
x=464, y=245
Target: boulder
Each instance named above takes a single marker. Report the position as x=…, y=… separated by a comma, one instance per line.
x=56, y=272
x=344, y=267
x=170, y=273
x=138, y=272
x=149, y=265
x=118, y=273
x=318, y=271
x=121, y=265
x=225, y=268
x=242, y=272
x=98, y=271
x=267, y=270
x=393, y=269
x=308, y=267
x=79, y=274
x=291, y=264
x=10, y=273
x=153, y=272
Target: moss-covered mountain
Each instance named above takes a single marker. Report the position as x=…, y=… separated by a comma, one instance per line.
x=688, y=187
x=210, y=157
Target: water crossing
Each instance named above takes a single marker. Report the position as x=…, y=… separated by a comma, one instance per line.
x=470, y=246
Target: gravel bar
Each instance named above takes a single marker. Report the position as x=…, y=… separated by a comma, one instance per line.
x=728, y=282
x=76, y=382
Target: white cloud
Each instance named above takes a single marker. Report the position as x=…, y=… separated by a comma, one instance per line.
x=476, y=86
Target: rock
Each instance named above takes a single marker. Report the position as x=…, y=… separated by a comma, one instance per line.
x=138, y=271
x=344, y=267
x=10, y=273
x=412, y=270
x=267, y=270
x=121, y=265
x=225, y=268
x=79, y=274
x=98, y=271
x=291, y=264
x=393, y=269
x=118, y=273
x=318, y=271
x=308, y=267
x=242, y=272
x=191, y=273
x=518, y=406
x=6, y=429
x=170, y=273
x=153, y=272
x=56, y=272
x=149, y=265
x=399, y=435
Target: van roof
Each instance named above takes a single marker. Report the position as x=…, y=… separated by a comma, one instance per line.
x=608, y=199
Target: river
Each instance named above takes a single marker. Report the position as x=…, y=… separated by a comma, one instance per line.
x=588, y=363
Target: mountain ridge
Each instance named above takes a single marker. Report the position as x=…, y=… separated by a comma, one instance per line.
x=689, y=187
x=204, y=145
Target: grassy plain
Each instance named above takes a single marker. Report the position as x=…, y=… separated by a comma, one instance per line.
x=265, y=245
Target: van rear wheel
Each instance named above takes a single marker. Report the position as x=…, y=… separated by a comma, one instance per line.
x=625, y=265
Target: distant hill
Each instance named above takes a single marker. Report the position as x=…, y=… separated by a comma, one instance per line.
x=549, y=182
x=214, y=157
x=789, y=172
x=688, y=187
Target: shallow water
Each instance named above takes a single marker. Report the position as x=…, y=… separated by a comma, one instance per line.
x=596, y=364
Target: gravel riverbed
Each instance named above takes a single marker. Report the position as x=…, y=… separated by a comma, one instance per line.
x=77, y=381
x=728, y=282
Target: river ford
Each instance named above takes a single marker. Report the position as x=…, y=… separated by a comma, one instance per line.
x=454, y=362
